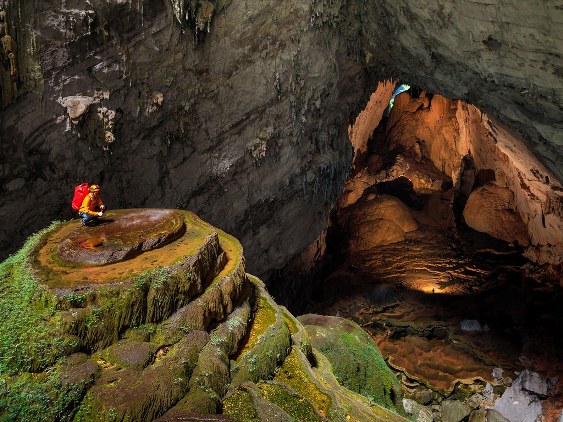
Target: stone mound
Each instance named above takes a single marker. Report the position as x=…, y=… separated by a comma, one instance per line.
x=180, y=332
x=488, y=210
x=121, y=235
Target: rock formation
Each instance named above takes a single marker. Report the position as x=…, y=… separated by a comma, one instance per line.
x=249, y=123
x=443, y=149
x=173, y=332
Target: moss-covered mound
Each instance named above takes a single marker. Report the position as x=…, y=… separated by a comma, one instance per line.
x=356, y=361
x=175, y=332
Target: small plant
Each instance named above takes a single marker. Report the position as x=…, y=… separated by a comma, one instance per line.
x=112, y=414
x=75, y=300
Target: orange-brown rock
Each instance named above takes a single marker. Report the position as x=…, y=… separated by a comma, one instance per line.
x=378, y=221
x=121, y=235
x=366, y=122
x=452, y=133
x=436, y=363
x=488, y=210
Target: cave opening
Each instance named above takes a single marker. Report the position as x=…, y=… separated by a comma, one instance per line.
x=433, y=249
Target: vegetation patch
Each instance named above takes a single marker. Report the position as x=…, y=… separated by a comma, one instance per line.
x=31, y=338
x=293, y=374
x=356, y=361
x=294, y=404
x=240, y=407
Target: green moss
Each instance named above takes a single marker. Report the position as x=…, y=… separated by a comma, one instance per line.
x=356, y=361
x=264, y=317
x=290, y=322
x=31, y=338
x=201, y=400
x=271, y=342
x=294, y=404
x=293, y=374
x=38, y=397
x=240, y=407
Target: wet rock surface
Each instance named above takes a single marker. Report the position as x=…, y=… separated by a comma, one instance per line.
x=121, y=235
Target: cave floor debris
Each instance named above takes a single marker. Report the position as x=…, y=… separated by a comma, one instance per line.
x=446, y=308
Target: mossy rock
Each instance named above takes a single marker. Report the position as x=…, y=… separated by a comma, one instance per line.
x=356, y=361
x=129, y=354
x=211, y=376
x=100, y=302
x=297, y=406
x=126, y=393
x=268, y=342
x=247, y=404
x=173, y=333
x=296, y=372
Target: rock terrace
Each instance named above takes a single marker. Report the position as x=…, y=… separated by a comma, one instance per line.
x=121, y=235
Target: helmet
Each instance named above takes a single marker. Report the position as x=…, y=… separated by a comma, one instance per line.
x=94, y=188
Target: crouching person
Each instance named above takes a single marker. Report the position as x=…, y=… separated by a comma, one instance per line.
x=92, y=207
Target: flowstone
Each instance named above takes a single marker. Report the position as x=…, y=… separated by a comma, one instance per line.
x=121, y=235
x=176, y=330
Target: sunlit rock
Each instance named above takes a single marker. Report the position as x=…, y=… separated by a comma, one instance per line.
x=378, y=220
x=488, y=210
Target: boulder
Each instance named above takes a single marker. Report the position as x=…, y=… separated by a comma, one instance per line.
x=418, y=412
x=454, y=410
x=536, y=383
x=470, y=325
x=377, y=221
x=488, y=210
x=517, y=404
x=494, y=416
x=478, y=416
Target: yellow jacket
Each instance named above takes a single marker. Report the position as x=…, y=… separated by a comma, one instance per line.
x=89, y=205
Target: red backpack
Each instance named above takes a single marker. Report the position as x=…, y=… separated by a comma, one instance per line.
x=80, y=192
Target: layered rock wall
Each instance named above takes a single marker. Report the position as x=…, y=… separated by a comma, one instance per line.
x=525, y=198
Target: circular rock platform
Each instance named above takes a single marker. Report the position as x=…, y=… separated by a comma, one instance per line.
x=121, y=235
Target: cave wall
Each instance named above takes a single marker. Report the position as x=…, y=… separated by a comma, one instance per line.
x=239, y=110
x=459, y=138
x=244, y=124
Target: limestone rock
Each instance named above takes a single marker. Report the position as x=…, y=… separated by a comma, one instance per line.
x=121, y=235
x=454, y=410
x=418, y=412
x=77, y=105
x=478, y=416
x=470, y=325
x=497, y=374
x=357, y=363
x=536, y=383
x=182, y=330
x=516, y=404
x=494, y=416
x=488, y=210
x=386, y=218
